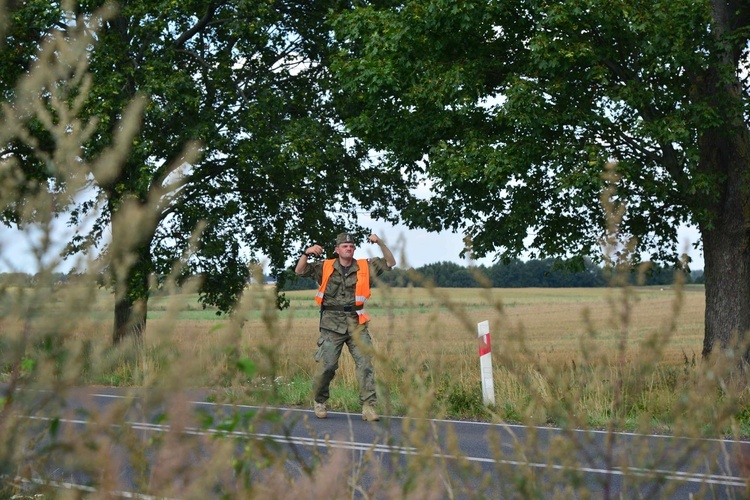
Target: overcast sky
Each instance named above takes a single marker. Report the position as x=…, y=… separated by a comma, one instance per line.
x=420, y=247
x=412, y=248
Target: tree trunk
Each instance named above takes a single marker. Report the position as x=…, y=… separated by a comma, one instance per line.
x=726, y=244
x=727, y=273
x=131, y=268
x=130, y=320
x=725, y=224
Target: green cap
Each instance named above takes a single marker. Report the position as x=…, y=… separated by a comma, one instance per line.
x=344, y=238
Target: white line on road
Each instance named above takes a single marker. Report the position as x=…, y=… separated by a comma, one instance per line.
x=712, y=479
x=462, y=422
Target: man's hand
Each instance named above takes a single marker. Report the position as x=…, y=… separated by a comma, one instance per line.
x=373, y=238
x=315, y=249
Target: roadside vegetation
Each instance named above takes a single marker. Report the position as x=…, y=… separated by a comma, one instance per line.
x=617, y=358
x=622, y=357
x=546, y=343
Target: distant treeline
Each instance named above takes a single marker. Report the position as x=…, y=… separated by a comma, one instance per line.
x=547, y=273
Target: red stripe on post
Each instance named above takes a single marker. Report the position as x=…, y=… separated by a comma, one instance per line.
x=484, y=345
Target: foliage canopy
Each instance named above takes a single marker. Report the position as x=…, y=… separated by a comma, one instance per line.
x=244, y=86
x=513, y=109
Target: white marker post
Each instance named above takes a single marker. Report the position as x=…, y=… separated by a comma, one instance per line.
x=485, y=363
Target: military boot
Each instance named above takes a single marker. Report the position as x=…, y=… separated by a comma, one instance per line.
x=369, y=413
x=320, y=410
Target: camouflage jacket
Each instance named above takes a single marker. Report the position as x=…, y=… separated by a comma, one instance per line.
x=340, y=290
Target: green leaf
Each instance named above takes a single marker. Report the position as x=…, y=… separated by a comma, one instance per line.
x=247, y=367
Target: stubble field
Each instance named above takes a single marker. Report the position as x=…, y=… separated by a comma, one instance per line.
x=440, y=325
x=548, y=345
x=428, y=337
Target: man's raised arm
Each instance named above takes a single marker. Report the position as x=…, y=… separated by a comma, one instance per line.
x=390, y=260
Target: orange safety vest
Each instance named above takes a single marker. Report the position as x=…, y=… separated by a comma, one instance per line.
x=361, y=292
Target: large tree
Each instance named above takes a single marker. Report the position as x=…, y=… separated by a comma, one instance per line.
x=512, y=109
x=246, y=82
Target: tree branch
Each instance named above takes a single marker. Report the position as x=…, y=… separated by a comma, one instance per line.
x=202, y=23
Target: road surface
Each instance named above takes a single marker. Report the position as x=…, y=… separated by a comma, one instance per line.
x=475, y=459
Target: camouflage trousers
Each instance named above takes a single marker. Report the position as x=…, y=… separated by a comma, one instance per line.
x=330, y=345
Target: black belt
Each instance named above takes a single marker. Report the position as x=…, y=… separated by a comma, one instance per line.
x=341, y=308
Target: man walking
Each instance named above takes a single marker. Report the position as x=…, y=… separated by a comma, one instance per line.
x=344, y=289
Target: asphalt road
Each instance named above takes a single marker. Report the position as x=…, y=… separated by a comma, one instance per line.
x=499, y=456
